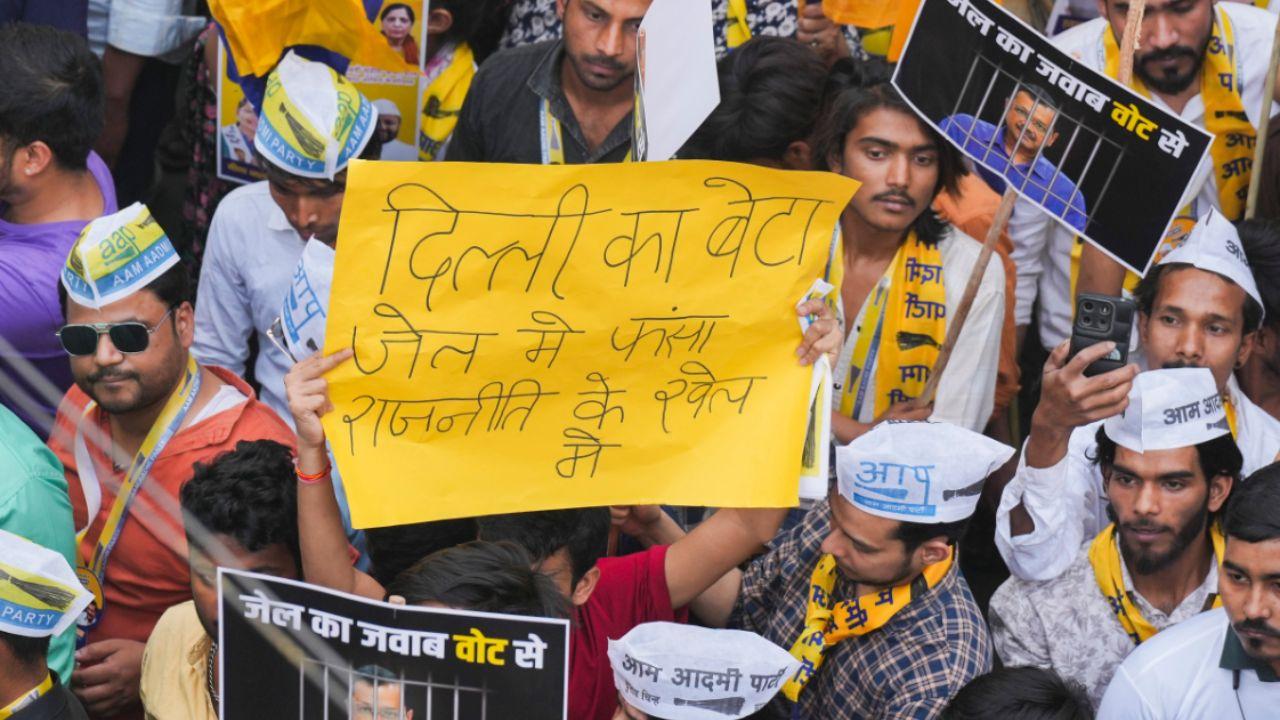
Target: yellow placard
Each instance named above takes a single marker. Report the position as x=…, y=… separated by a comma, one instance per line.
x=532, y=337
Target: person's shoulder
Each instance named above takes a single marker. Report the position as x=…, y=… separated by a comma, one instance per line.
x=1034, y=594
x=247, y=206
x=22, y=455
x=177, y=631
x=1177, y=653
x=1248, y=21
x=1079, y=40
x=960, y=252
x=626, y=569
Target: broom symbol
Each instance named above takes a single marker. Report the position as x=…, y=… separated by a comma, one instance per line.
x=728, y=706
x=50, y=595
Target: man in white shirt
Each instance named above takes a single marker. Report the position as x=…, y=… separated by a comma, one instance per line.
x=1199, y=308
x=389, y=129
x=1169, y=464
x=1178, y=65
x=258, y=233
x=1224, y=663
x=904, y=270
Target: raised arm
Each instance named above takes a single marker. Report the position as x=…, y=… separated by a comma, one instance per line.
x=321, y=536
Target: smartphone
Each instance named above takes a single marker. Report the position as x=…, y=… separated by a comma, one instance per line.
x=1100, y=318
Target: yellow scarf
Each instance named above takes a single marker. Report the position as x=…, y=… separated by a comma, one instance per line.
x=736, y=29
x=26, y=698
x=827, y=622
x=1224, y=116
x=1104, y=556
x=902, y=331
x=442, y=102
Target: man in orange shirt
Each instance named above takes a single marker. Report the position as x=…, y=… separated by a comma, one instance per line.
x=141, y=414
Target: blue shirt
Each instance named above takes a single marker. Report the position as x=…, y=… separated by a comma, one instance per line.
x=983, y=142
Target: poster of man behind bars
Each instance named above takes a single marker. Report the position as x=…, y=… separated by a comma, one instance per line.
x=1099, y=158
x=296, y=651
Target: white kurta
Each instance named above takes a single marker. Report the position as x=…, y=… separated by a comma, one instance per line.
x=1177, y=675
x=966, y=393
x=1042, y=246
x=1068, y=502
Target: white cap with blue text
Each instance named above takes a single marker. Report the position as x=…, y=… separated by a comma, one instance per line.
x=1168, y=409
x=39, y=593
x=686, y=672
x=918, y=471
x=116, y=256
x=1214, y=245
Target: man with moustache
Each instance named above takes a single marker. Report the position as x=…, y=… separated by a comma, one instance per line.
x=558, y=102
x=1201, y=60
x=1168, y=464
x=1224, y=663
x=1199, y=307
x=904, y=268
x=143, y=411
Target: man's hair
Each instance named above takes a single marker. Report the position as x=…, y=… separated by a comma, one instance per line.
x=1020, y=693
x=394, y=548
x=29, y=652
x=853, y=92
x=278, y=175
x=913, y=535
x=1219, y=456
x=486, y=576
x=1260, y=239
x=1253, y=513
x=770, y=96
x=173, y=288
x=584, y=531
x=1037, y=93
x=413, y=17
x=466, y=17
x=1149, y=286
x=52, y=92
x=248, y=493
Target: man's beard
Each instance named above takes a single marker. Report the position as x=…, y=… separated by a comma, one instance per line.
x=156, y=387
x=1148, y=563
x=1171, y=84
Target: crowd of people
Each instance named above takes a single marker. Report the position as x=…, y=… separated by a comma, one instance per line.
x=1036, y=540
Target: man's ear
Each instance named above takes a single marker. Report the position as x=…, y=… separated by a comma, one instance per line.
x=1219, y=490
x=1246, y=348
x=799, y=156
x=184, y=323
x=586, y=585
x=1052, y=139
x=1142, y=328
x=33, y=159
x=560, y=5
x=439, y=21
x=933, y=551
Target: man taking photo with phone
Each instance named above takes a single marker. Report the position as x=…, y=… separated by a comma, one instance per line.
x=1199, y=307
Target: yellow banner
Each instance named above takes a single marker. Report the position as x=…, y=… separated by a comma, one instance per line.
x=534, y=337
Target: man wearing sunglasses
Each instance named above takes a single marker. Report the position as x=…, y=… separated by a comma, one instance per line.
x=141, y=414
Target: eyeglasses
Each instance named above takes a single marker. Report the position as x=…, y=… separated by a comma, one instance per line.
x=129, y=338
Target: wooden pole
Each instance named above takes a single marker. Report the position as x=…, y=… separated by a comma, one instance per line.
x=1129, y=41
x=1264, y=123
x=956, y=323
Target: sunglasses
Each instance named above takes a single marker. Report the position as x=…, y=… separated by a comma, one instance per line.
x=129, y=338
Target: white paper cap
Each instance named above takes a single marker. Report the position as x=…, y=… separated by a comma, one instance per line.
x=1214, y=245
x=1169, y=409
x=919, y=472
x=685, y=672
x=39, y=593
x=386, y=107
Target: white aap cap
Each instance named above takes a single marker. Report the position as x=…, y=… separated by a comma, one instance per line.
x=1214, y=245
x=386, y=107
x=39, y=593
x=919, y=472
x=1169, y=409
x=685, y=672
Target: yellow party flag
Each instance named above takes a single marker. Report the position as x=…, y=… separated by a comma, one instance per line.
x=259, y=31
